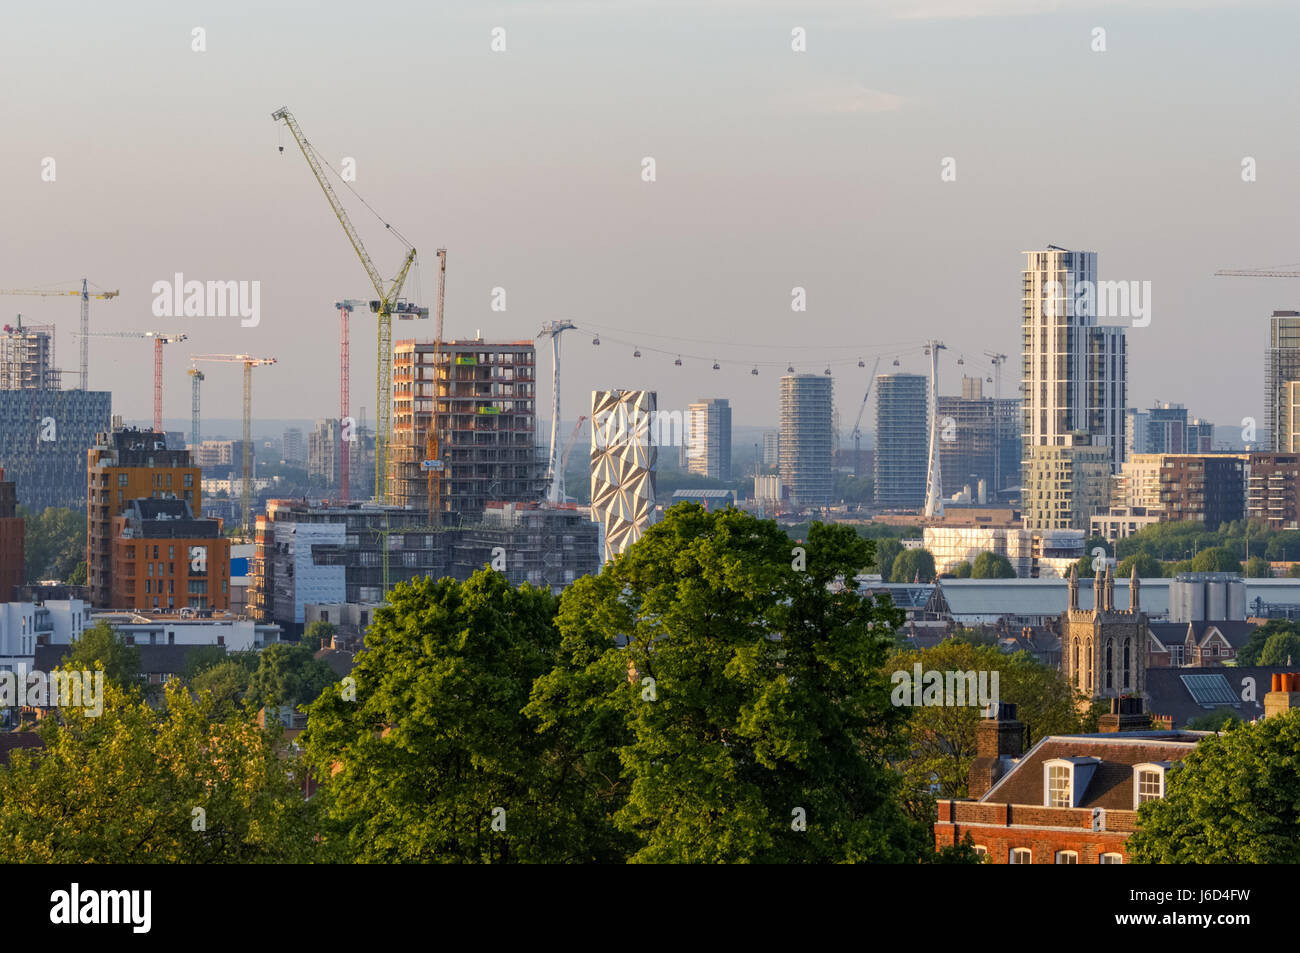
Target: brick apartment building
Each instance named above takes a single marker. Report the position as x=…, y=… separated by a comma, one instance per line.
x=1209, y=488
x=1273, y=490
x=124, y=466
x=164, y=558
x=1071, y=799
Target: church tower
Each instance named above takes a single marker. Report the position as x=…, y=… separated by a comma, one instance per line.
x=1103, y=649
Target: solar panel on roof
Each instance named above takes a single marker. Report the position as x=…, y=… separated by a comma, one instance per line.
x=1208, y=691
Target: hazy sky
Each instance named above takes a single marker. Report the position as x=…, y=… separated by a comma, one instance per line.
x=775, y=169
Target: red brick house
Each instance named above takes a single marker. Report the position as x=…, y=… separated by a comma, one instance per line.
x=1071, y=799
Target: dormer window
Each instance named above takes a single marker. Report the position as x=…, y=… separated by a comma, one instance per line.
x=1149, y=782
x=1066, y=779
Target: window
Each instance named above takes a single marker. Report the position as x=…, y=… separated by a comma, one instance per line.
x=1067, y=857
x=122, y=479
x=1148, y=782
x=1058, y=785
x=1021, y=855
x=1110, y=859
x=981, y=851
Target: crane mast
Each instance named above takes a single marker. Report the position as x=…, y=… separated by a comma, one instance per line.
x=432, y=446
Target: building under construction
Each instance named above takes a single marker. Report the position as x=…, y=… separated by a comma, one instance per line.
x=44, y=431
x=334, y=553
x=485, y=394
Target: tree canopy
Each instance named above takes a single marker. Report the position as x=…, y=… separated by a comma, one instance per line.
x=1233, y=800
x=992, y=566
x=911, y=565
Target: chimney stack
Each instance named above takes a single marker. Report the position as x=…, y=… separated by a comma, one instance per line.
x=999, y=742
x=1284, y=696
x=1126, y=714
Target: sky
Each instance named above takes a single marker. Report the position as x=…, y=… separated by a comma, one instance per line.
x=774, y=169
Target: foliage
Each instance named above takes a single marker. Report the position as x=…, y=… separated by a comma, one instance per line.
x=851, y=489
x=287, y=675
x=962, y=570
x=1250, y=653
x=1282, y=648
x=78, y=575
x=123, y=788
x=941, y=738
x=1216, y=559
x=1233, y=800
x=436, y=747
x=887, y=551
x=1148, y=566
x=767, y=731
x=913, y=564
x=319, y=635
x=54, y=542
x=1216, y=720
x=1257, y=568
x=992, y=566
x=101, y=643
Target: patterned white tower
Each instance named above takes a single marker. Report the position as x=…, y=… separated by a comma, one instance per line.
x=623, y=458
x=934, y=480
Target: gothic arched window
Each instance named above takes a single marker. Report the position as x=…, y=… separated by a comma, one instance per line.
x=1128, y=645
x=1110, y=663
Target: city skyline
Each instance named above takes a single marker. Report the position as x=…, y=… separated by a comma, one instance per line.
x=815, y=189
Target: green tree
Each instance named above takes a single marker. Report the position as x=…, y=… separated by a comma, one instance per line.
x=913, y=564
x=1257, y=568
x=768, y=733
x=941, y=738
x=201, y=658
x=1293, y=571
x=78, y=575
x=1148, y=566
x=1233, y=800
x=1249, y=654
x=122, y=788
x=1216, y=720
x=962, y=570
x=1083, y=567
x=1282, y=648
x=227, y=683
x=101, y=643
x=288, y=675
x=319, y=634
x=992, y=566
x=54, y=542
x=1216, y=559
x=887, y=551
x=435, y=760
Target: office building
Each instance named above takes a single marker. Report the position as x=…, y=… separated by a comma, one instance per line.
x=293, y=448
x=213, y=455
x=709, y=449
x=1074, y=369
x=122, y=467
x=902, y=441
x=623, y=458
x=44, y=431
x=1121, y=522
x=541, y=544
x=1281, y=367
x=164, y=558
x=485, y=393
x=772, y=449
x=1064, y=486
x=979, y=441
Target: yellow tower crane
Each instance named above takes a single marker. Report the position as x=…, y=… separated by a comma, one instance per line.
x=249, y=363
x=385, y=307
x=85, y=295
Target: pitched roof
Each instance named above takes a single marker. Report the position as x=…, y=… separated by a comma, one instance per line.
x=1169, y=693
x=1111, y=783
